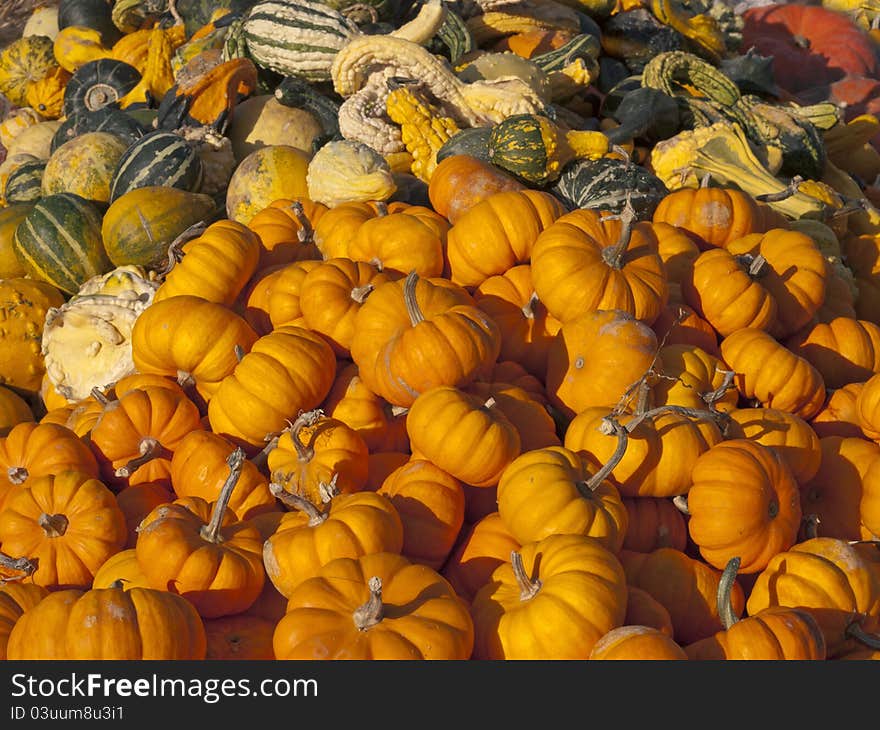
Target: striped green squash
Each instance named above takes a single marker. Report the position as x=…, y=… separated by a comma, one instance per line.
x=106, y=119
x=296, y=38
x=59, y=241
x=24, y=184
x=160, y=159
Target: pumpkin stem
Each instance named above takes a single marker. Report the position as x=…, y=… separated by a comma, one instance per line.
x=353, y=12
x=24, y=567
x=235, y=461
x=149, y=449
x=172, y=8
x=713, y=396
x=528, y=588
x=185, y=380
x=409, y=299
x=613, y=255
x=381, y=208
x=239, y=353
x=261, y=459
x=528, y=309
x=608, y=426
x=810, y=526
x=725, y=587
x=304, y=420
x=490, y=403
x=754, y=265
x=329, y=490
x=118, y=583
x=681, y=503
x=855, y=631
x=306, y=232
x=294, y=501
x=175, y=248
x=100, y=396
x=705, y=180
x=17, y=475
x=53, y=525
x=360, y=293
x=397, y=411
x=371, y=612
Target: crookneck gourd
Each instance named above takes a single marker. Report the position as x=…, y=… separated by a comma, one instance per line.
x=791, y=134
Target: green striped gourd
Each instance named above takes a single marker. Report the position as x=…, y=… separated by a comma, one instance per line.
x=107, y=119
x=24, y=184
x=296, y=38
x=59, y=241
x=159, y=158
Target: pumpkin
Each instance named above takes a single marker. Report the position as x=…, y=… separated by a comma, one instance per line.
x=47, y=95
x=828, y=578
x=381, y=425
x=315, y=454
x=845, y=350
x=215, y=265
x=416, y=333
x=509, y=223
x=286, y=371
x=660, y=451
x=32, y=450
x=692, y=377
x=121, y=569
x=776, y=633
x=413, y=239
x=239, y=638
x=787, y=434
x=653, y=522
x=99, y=83
x=109, y=623
x=637, y=642
x=587, y=260
x=137, y=501
x=869, y=504
x=744, y=503
x=198, y=469
x=687, y=587
x=15, y=599
x=461, y=181
x=217, y=567
x=340, y=613
x=715, y=216
x=596, y=357
x=286, y=229
x=332, y=293
x=463, y=434
x=552, y=491
x=10, y=216
x=678, y=252
x=253, y=301
x=810, y=46
x=772, y=374
x=555, y=597
x=13, y=410
x=282, y=304
x=135, y=436
x=838, y=416
x=679, y=324
x=309, y=536
x=191, y=339
x=68, y=522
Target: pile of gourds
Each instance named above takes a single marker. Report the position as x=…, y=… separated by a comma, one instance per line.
x=452, y=330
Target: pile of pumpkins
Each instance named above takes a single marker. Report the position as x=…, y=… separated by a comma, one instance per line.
x=440, y=330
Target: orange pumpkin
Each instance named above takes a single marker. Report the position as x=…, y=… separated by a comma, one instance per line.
x=135, y=436
x=138, y=500
x=588, y=260
x=654, y=522
x=283, y=301
x=286, y=371
x=430, y=503
x=498, y=233
x=554, y=599
x=286, y=229
x=463, y=434
x=15, y=599
x=68, y=522
x=340, y=613
x=415, y=333
x=743, y=502
x=844, y=350
x=459, y=182
x=529, y=415
x=552, y=491
x=218, y=568
x=309, y=536
x=636, y=642
x=838, y=416
x=316, y=453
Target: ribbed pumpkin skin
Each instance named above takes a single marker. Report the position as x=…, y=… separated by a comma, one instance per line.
x=15, y=599
x=84, y=166
x=139, y=226
x=216, y=265
x=10, y=217
x=160, y=158
x=75, y=624
x=60, y=242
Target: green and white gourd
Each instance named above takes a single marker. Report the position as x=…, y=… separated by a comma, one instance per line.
x=159, y=158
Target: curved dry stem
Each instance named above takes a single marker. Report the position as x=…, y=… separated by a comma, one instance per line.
x=857, y=632
x=175, y=248
x=293, y=501
x=614, y=255
x=211, y=531
x=610, y=425
x=725, y=587
x=409, y=299
x=23, y=567
x=528, y=588
x=370, y=613
x=681, y=503
x=303, y=420
x=148, y=449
